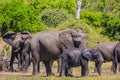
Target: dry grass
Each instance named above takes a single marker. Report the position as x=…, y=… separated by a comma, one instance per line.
x=106, y=74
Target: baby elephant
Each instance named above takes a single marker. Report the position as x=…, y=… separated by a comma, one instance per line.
x=76, y=57
x=4, y=64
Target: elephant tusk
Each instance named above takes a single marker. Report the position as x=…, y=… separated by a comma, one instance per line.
x=17, y=50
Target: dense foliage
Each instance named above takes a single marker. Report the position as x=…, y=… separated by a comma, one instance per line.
x=53, y=17
x=102, y=16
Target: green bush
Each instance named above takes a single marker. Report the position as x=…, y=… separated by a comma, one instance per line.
x=113, y=27
x=91, y=18
x=53, y=17
x=16, y=16
x=68, y=5
x=93, y=34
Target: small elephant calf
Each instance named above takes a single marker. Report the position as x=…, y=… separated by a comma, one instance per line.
x=76, y=57
x=4, y=64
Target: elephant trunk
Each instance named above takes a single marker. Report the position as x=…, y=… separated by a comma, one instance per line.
x=18, y=49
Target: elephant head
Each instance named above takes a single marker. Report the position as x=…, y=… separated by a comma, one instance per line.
x=72, y=38
x=90, y=54
x=16, y=40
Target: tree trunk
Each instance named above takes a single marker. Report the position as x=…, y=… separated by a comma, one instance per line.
x=78, y=9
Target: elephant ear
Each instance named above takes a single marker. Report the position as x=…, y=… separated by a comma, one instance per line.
x=86, y=54
x=9, y=37
x=66, y=39
x=79, y=38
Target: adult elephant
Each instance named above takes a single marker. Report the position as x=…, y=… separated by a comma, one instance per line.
x=116, y=57
x=16, y=41
x=46, y=46
x=105, y=51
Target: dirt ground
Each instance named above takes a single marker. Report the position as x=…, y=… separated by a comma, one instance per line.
x=76, y=71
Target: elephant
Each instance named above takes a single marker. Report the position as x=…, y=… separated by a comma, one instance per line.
x=74, y=57
x=116, y=57
x=46, y=47
x=16, y=41
x=105, y=51
x=26, y=54
x=70, y=38
x=4, y=64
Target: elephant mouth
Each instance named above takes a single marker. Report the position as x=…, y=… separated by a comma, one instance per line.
x=18, y=49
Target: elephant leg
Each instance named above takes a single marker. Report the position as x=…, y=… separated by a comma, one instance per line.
x=19, y=61
x=62, y=70
x=39, y=67
x=68, y=72
x=59, y=64
x=11, y=61
x=119, y=67
x=48, y=68
x=26, y=63
x=114, y=67
x=51, y=63
x=58, y=70
x=98, y=67
x=35, y=67
x=84, y=71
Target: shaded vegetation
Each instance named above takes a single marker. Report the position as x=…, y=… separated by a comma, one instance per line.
x=99, y=18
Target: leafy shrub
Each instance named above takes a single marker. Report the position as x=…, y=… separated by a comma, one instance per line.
x=53, y=17
x=113, y=27
x=68, y=5
x=16, y=16
x=93, y=34
x=5, y=51
x=91, y=18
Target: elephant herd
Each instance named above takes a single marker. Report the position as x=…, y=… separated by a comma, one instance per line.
x=68, y=47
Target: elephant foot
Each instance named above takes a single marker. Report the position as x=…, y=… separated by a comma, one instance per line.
x=69, y=75
x=36, y=74
x=24, y=71
x=50, y=74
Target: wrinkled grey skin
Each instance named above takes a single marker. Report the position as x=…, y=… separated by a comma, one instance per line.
x=16, y=41
x=26, y=55
x=46, y=47
x=105, y=50
x=72, y=38
x=116, y=57
x=75, y=57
